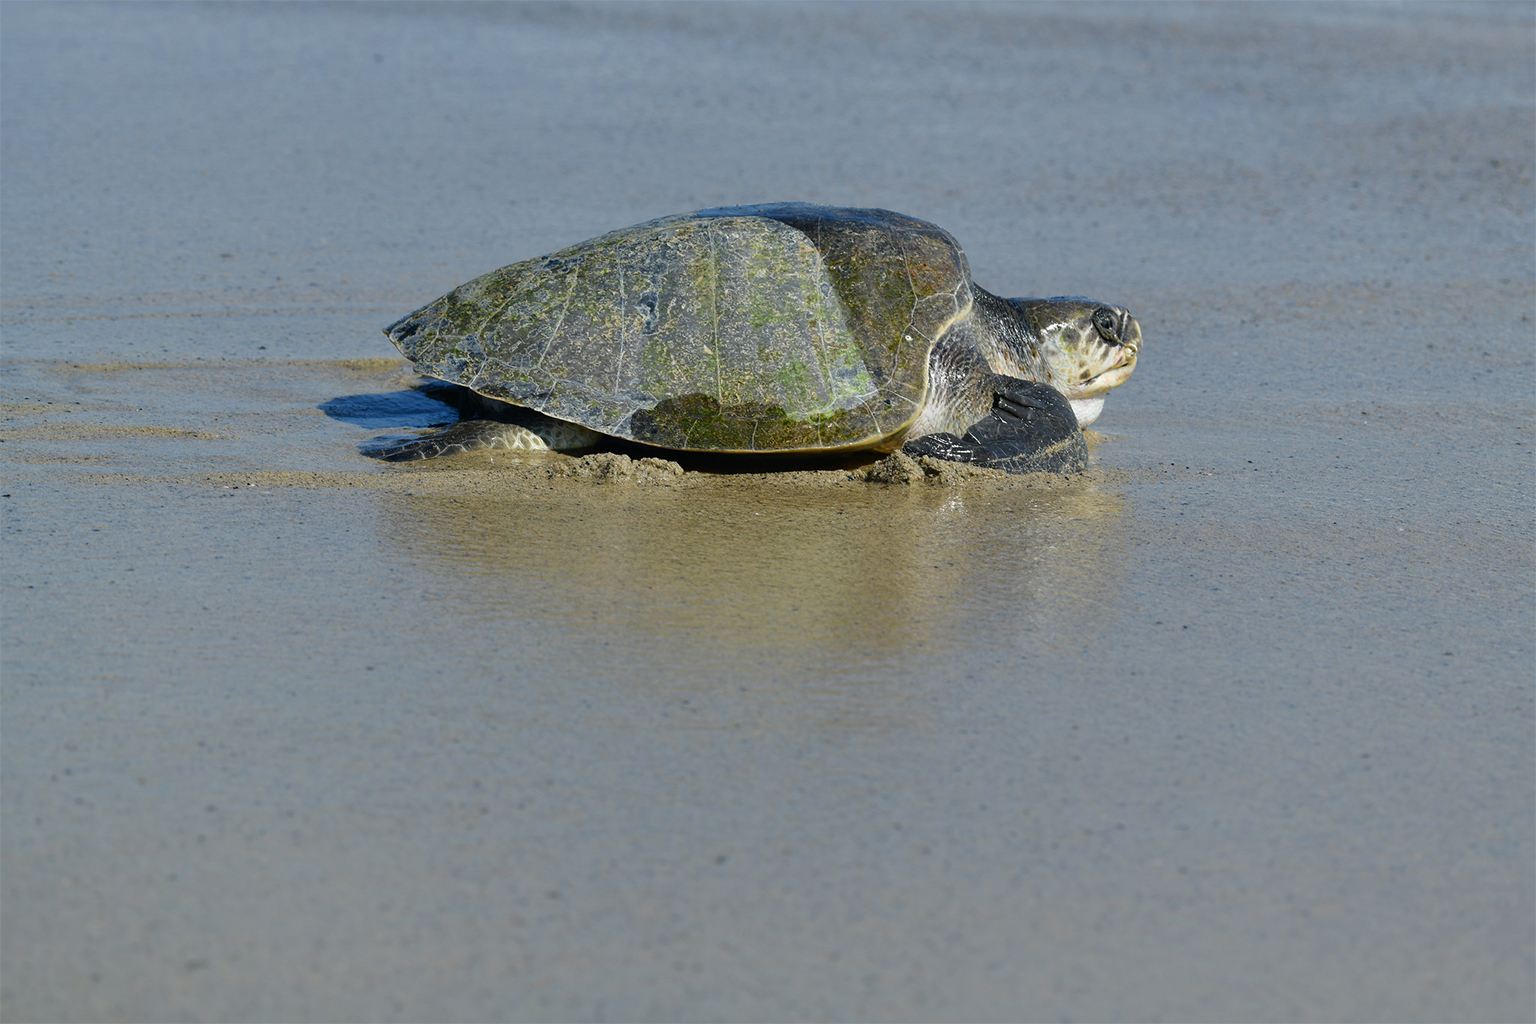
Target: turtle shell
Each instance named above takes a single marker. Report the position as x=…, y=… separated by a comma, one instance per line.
x=785, y=327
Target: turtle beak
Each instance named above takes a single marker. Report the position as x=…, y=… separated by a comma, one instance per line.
x=1130, y=344
x=1123, y=362
x=1130, y=337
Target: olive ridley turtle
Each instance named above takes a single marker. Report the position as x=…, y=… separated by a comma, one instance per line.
x=768, y=330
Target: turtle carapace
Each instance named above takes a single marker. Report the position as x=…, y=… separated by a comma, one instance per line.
x=770, y=330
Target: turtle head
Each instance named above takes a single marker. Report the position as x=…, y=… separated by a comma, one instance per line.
x=1087, y=347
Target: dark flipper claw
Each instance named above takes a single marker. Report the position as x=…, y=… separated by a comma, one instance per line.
x=947, y=447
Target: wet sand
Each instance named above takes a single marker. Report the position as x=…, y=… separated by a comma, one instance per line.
x=1235, y=725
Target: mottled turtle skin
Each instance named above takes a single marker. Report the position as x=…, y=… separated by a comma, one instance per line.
x=778, y=329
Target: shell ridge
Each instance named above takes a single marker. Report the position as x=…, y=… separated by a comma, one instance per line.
x=618, y=369
x=714, y=311
x=560, y=320
x=825, y=360
x=906, y=265
x=493, y=315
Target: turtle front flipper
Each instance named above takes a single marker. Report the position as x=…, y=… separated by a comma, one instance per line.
x=1031, y=429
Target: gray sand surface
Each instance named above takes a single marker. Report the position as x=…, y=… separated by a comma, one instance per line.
x=1235, y=726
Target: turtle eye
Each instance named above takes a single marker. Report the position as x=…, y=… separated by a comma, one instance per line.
x=1104, y=323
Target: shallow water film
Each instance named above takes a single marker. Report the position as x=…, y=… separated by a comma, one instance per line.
x=1237, y=725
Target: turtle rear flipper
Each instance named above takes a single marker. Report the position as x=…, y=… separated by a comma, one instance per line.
x=472, y=435
x=1031, y=429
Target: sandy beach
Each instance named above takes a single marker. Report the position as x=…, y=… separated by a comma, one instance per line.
x=1237, y=725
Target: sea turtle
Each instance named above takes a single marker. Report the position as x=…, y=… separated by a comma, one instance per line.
x=759, y=330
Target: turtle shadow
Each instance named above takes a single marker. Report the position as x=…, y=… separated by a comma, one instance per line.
x=399, y=413
x=415, y=407
x=745, y=464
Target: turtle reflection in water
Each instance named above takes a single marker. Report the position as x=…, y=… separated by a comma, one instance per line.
x=784, y=329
